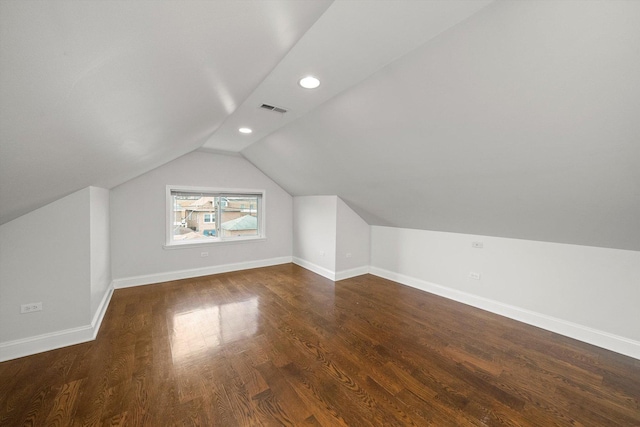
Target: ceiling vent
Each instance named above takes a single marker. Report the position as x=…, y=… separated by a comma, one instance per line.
x=273, y=108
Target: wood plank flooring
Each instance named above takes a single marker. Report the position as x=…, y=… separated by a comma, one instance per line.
x=283, y=346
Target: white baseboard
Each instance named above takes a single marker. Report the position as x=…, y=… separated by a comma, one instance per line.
x=27, y=346
x=324, y=272
x=168, y=276
x=586, y=334
x=353, y=272
x=331, y=275
x=102, y=309
x=51, y=341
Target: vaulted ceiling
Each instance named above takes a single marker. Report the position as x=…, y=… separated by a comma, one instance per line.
x=512, y=119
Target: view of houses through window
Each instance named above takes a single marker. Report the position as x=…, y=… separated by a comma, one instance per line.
x=198, y=216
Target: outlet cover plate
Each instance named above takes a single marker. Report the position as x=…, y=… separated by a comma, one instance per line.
x=31, y=307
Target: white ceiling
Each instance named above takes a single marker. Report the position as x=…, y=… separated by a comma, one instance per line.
x=521, y=122
x=513, y=119
x=98, y=92
x=351, y=41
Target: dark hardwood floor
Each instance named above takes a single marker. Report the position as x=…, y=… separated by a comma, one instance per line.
x=283, y=346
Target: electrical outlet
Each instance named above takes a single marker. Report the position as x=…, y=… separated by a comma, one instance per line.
x=30, y=308
x=473, y=275
x=204, y=254
x=476, y=245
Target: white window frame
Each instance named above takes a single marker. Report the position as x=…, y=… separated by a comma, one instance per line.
x=176, y=244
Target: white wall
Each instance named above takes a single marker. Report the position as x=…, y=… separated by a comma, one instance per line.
x=314, y=233
x=352, y=241
x=138, y=222
x=44, y=257
x=329, y=238
x=100, y=252
x=589, y=293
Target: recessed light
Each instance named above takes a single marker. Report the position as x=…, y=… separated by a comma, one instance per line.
x=245, y=130
x=309, y=82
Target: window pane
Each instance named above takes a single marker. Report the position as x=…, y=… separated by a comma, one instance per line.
x=208, y=215
x=194, y=217
x=239, y=216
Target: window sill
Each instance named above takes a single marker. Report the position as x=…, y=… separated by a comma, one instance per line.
x=171, y=246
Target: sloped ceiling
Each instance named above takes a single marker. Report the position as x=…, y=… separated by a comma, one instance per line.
x=98, y=92
x=523, y=122
x=512, y=119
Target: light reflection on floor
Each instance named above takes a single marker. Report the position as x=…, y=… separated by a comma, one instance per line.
x=198, y=331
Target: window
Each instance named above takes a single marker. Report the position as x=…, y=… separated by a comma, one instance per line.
x=205, y=215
